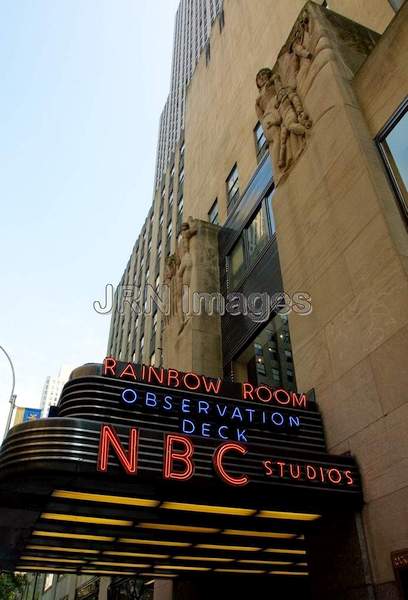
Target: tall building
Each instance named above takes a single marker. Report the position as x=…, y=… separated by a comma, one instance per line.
x=194, y=19
x=314, y=213
x=52, y=389
x=137, y=336
x=286, y=198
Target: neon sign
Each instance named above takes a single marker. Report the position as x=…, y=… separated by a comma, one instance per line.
x=179, y=465
x=172, y=378
x=221, y=419
x=238, y=434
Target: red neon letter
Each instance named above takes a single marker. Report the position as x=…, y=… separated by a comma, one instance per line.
x=247, y=391
x=311, y=472
x=268, y=397
x=350, y=480
x=109, y=364
x=335, y=480
x=184, y=457
x=212, y=386
x=299, y=400
x=268, y=467
x=159, y=376
x=218, y=458
x=173, y=374
x=129, y=370
x=108, y=437
x=192, y=386
x=281, y=467
x=285, y=394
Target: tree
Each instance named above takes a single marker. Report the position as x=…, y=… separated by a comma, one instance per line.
x=12, y=586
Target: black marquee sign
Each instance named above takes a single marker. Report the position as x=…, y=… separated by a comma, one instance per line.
x=192, y=410
x=137, y=458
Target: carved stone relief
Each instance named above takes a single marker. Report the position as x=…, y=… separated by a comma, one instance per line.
x=178, y=272
x=316, y=38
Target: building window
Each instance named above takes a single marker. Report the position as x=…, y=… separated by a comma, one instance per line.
x=251, y=242
x=236, y=262
x=213, y=213
x=141, y=345
x=257, y=234
x=260, y=141
x=232, y=188
x=181, y=175
x=256, y=364
x=169, y=230
x=154, y=324
x=153, y=359
x=392, y=142
x=289, y=357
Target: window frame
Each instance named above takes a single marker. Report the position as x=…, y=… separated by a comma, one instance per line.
x=211, y=219
x=265, y=208
x=232, y=199
x=260, y=150
x=385, y=151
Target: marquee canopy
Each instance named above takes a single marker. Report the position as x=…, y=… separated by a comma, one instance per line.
x=139, y=473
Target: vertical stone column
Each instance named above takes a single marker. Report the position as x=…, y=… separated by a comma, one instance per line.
x=192, y=335
x=339, y=237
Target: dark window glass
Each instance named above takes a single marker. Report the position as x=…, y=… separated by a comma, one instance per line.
x=232, y=188
x=269, y=209
x=260, y=141
x=236, y=262
x=213, y=213
x=257, y=234
x=253, y=239
x=255, y=363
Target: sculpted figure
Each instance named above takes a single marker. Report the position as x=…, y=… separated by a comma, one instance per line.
x=297, y=57
x=185, y=266
x=171, y=286
x=279, y=106
x=301, y=38
x=267, y=112
x=294, y=122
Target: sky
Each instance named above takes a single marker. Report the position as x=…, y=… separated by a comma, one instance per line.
x=82, y=86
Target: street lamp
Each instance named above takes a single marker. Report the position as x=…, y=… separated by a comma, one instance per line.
x=13, y=397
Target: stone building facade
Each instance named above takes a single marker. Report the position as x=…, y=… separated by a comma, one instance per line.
x=293, y=169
